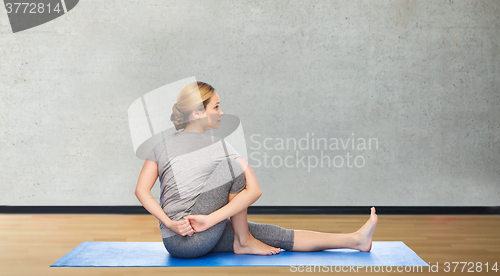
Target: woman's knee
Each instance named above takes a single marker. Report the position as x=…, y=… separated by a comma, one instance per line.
x=199, y=244
x=186, y=248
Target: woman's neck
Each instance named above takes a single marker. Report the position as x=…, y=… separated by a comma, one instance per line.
x=194, y=128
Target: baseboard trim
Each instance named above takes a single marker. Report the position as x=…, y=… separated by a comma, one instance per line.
x=268, y=210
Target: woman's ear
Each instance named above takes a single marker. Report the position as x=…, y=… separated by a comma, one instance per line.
x=198, y=114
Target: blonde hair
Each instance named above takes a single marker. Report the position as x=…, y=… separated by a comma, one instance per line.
x=193, y=96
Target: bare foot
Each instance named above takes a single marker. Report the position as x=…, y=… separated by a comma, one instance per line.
x=253, y=246
x=365, y=233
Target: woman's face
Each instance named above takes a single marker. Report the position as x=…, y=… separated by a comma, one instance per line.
x=213, y=112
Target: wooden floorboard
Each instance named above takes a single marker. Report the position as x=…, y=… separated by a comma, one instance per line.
x=29, y=243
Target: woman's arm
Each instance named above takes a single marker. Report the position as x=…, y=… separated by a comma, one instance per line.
x=240, y=202
x=147, y=179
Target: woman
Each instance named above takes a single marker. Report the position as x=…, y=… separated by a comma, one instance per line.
x=206, y=188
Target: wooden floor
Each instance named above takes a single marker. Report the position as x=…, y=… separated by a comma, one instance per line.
x=29, y=244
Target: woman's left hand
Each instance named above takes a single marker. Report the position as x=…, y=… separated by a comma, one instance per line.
x=199, y=223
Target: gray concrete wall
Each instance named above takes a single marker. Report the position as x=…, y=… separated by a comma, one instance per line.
x=420, y=77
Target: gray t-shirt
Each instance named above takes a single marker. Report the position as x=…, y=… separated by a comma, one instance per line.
x=185, y=161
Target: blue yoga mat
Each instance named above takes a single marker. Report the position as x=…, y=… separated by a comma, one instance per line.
x=153, y=254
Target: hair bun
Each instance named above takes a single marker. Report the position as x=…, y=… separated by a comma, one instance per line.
x=177, y=117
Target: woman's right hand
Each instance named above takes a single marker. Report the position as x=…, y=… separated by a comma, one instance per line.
x=200, y=223
x=181, y=227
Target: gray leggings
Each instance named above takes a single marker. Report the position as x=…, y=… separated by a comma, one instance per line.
x=220, y=237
